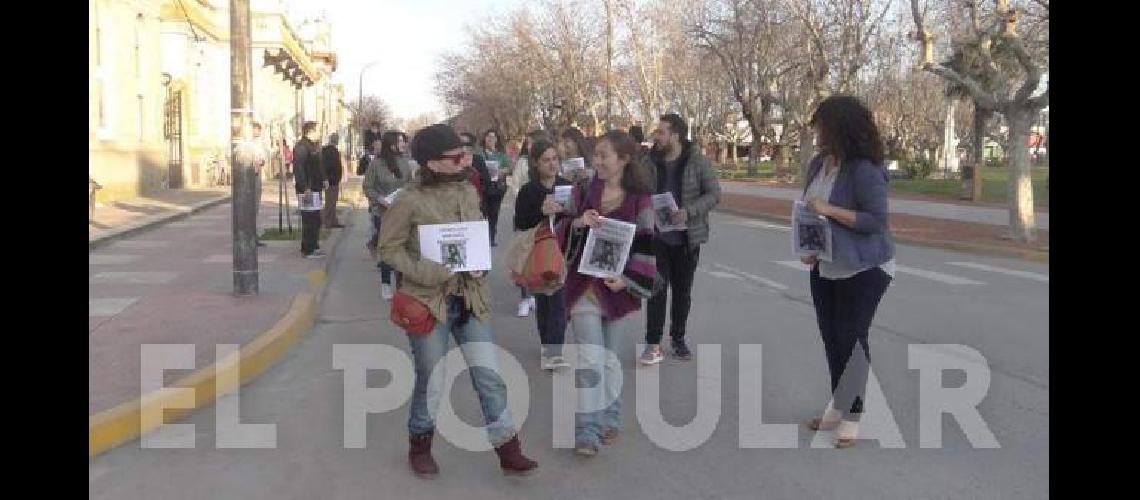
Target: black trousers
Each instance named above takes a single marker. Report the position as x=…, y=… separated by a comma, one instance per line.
x=310, y=230
x=844, y=309
x=677, y=265
x=551, y=318
x=492, y=205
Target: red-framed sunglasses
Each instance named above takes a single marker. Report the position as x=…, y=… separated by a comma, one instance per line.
x=455, y=158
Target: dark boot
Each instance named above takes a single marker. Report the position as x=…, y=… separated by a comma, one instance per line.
x=511, y=459
x=419, y=456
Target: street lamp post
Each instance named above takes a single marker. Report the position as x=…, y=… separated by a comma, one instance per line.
x=360, y=99
x=244, y=184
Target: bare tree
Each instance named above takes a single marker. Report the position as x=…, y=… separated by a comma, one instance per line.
x=1004, y=75
x=374, y=109
x=750, y=39
x=841, y=37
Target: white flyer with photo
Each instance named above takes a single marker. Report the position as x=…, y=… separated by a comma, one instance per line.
x=309, y=202
x=811, y=233
x=562, y=194
x=607, y=249
x=663, y=207
x=388, y=200
x=493, y=169
x=460, y=246
x=573, y=164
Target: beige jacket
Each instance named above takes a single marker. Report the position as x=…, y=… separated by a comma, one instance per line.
x=428, y=281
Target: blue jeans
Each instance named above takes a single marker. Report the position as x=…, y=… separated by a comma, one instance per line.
x=476, y=340
x=596, y=369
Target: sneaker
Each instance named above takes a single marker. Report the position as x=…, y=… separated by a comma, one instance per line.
x=551, y=363
x=524, y=308
x=652, y=355
x=386, y=291
x=261, y=244
x=557, y=361
x=317, y=254
x=585, y=449
x=681, y=351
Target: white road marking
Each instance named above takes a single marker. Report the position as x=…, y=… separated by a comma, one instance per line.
x=794, y=264
x=722, y=274
x=1044, y=278
x=949, y=279
x=760, y=279
x=759, y=224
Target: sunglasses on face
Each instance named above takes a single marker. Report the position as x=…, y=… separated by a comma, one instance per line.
x=455, y=158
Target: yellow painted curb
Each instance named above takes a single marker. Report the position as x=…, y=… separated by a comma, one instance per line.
x=110, y=428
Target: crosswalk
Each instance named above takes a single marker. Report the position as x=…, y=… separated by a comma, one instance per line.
x=903, y=273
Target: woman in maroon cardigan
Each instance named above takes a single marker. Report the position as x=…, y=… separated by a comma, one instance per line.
x=599, y=308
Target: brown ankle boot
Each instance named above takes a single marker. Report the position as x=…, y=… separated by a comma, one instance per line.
x=511, y=459
x=419, y=456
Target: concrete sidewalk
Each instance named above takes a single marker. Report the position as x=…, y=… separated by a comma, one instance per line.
x=124, y=217
x=172, y=284
x=899, y=205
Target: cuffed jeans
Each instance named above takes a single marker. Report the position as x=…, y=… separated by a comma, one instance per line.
x=477, y=343
x=595, y=368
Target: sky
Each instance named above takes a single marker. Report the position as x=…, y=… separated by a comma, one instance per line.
x=407, y=36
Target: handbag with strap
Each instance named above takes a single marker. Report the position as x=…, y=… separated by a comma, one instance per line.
x=410, y=314
x=517, y=254
x=545, y=269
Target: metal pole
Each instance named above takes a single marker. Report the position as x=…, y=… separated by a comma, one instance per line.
x=358, y=116
x=244, y=183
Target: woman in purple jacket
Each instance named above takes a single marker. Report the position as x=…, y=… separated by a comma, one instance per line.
x=600, y=308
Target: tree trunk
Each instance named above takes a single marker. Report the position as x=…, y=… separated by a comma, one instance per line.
x=948, y=160
x=807, y=150
x=754, y=150
x=973, y=186
x=1022, y=218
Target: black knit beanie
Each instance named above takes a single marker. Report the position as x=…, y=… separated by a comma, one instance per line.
x=431, y=142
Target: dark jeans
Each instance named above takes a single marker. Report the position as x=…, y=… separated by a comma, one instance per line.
x=844, y=309
x=677, y=265
x=492, y=205
x=551, y=318
x=310, y=231
x=385, y=269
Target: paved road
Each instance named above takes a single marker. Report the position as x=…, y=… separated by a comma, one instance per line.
x=965, y=213
x=745, y=294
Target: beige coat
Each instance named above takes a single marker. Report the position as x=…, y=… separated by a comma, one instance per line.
x=428, y=281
